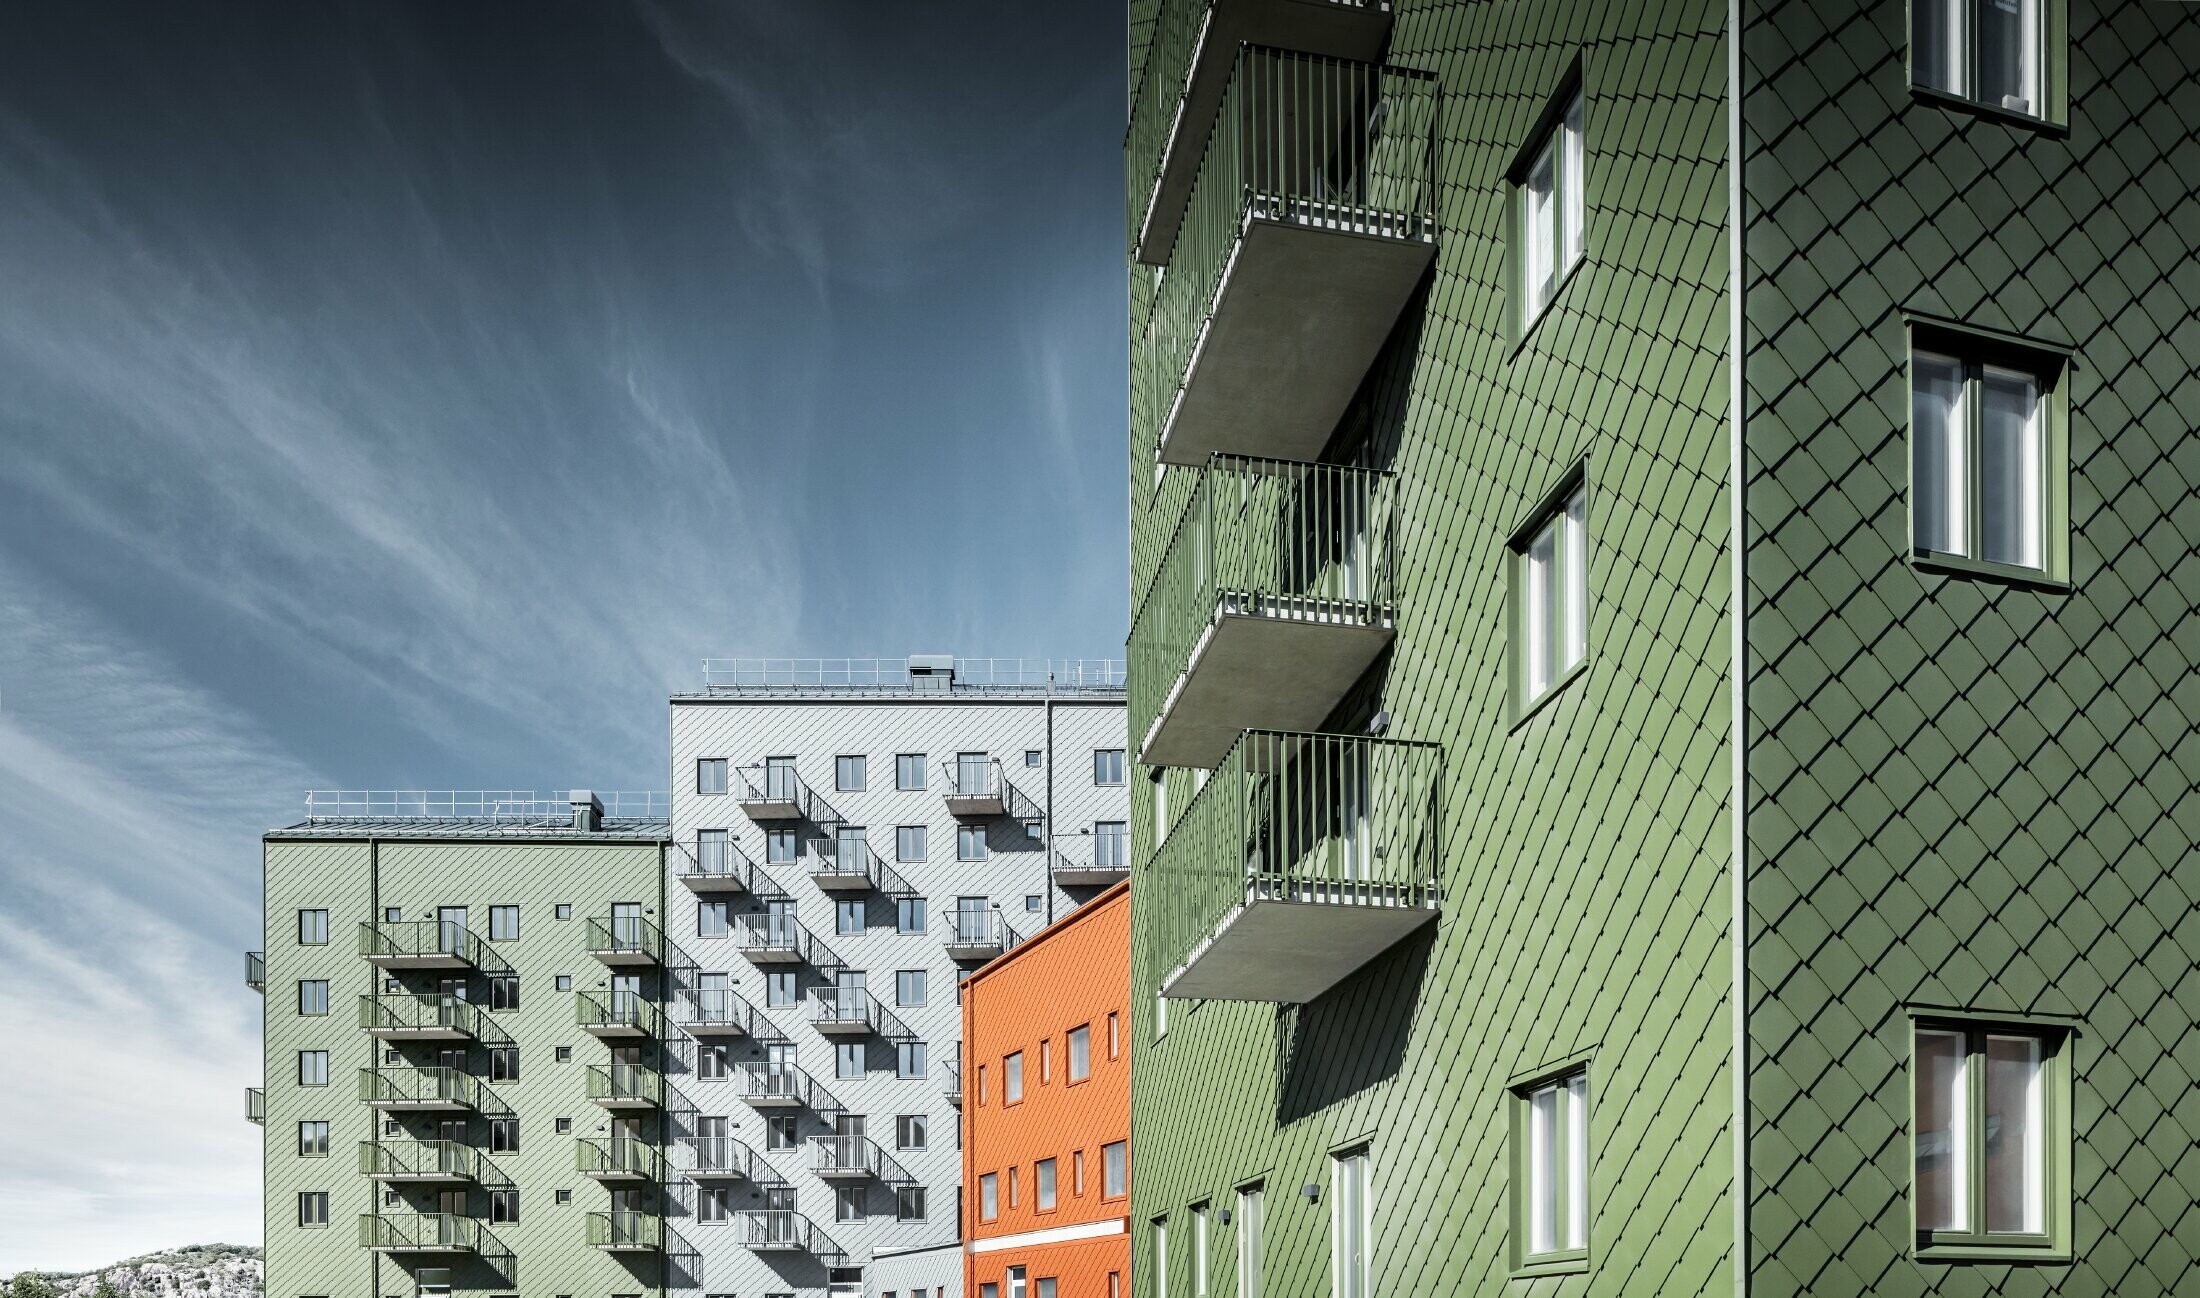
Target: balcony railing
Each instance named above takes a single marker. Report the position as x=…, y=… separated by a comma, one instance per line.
x=1274, y=596
x=617, y=1015
x=398, y=1086
x=720, y=1158
x=780, y=939
x=977, y=934
x=855, y=867
x=626, y=1231
x=426, y=1016
x=951, y=1077
x=768, y=1085
x=775, y=795
x=718, y=1012
x=854, y=1011
x=1311, y=222
x=255, y=1105
x=783, y=1230
x=720, y=866
x=418, y=1160
x=1187, y=65
x=426, y=944
x=974, y=787
x=625, y=1086
x=849, y=1157
x=1303, y=858
x=624, y=940
x=423, y=1232
x=255, y=971
x=1110, y=863
x=621, y=1158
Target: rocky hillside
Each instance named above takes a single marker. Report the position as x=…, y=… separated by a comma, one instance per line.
x=194, y=1271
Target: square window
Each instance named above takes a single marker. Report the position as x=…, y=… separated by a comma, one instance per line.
x=849, y=775
x=970, y=842
x=1550, y=1174
x=1550, y=598
x=781, y=846
x=563, y=910
x=1548, y=212
x=909, y=843
x=1033, y=902
x=393, y=914
x=563, y=982
x=564, y=1054
x=781, y=1131
x=503, y=1206
x=313, y=1140
x=313, y=931
x=1032, y=758
x=909, y=988
x=710, y=776
x=563, y=1196
x=1992, y=52
x=711, y=1204
x=911, y=1131
x=313, y=1208
x=909, y=771
x=909, y=915
x=504, y=923
x=909, y=1203
x=313, y=996
x=1990, y=1147
x=1988, y=466
x=1107, y=766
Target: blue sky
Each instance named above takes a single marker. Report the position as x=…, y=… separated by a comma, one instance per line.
x=411, y=396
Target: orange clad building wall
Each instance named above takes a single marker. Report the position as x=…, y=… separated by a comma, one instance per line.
x=1074, y=973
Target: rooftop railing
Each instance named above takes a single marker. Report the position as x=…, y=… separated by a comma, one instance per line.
x=521, y=806
x=893, y=675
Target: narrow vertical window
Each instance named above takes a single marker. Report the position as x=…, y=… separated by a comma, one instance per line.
x=989, y=1196
x=1012, y=1078
x=1080, y=1053
x=1249, y=1206
x=1549, y=212
x=1042, y=1177
x=1199, y=1250
x=1161, y=1257
x=1550, y=598
x=1348, y=1225
x=1551, y=1174
x=1115, y=1170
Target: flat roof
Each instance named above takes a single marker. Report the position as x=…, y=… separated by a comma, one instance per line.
x=612, y=828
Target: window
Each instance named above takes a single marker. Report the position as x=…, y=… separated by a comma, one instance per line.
x=1248, y=1242
x=1044, y=1287
x=848, y=917
x=313, y=1068
x=1107, y=766
x=503, y=1206
x=989, y=1196
x=313, y=1208
x=710, y=775
x=1160, y=783
x=504, y=923
x=1032, y=758
x=1199, y=1250
x=563, y=1126
x=1034, y=830
x=313, y=1140
x=1115, y=1170
x=1033, y=902
x=504, y=1063
x=781, y=846
x=1015, y=1187
x=313, y=996
x=780, y=989
x=1161, y=1257
x=713, y=918
x=1550, y=597
x=710, y=851
x=713, y=1061
x=711, y=1205
x=1115, y=1035
x=909, y=988
x=1993, y=52
x=779, y=1131
x=908, y=771
x=1990, y=1141
x=981, y=1086
x=911, y=1131
x=1547, y=212
x=393, y=913
x=1348, y=1225
x=1550, y=1136
x=504, y=991
x=1015, y=1277
x=1042, y=1183
x=848, y=1059
x=563, y=1196
x=1111, y=845
x=1986, y=481
x=849, y=775
x=970, y=842
x=1080, y=1052
x=562, y=910
x=909, y=915
x=909, y=1060
x=1160, y=1016
x=313, y=930
x=909, y=1203
x=1012, y=1078
x=909, y=843
x=563, y=982
x=504, y=1135
x=1077, y=1173
x=1046, y=1061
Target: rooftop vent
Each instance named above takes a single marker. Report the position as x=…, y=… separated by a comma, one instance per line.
x=931, y=671
x=587, y=810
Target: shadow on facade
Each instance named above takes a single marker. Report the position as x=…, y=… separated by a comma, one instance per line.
x=1352, y=1037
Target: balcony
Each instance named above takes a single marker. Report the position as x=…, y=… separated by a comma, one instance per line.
x=255, y=971
x=855, y=1158
x=424, y=1232
x=1273, y=598
x=618, y=1016
x=780, y=940
x=854, y=869
x=1180, y=86
x=719, y=868
x=775, y=795
x=626, y=1232
x=781, y=1087
x=854, y=1012
x=419, y=1162
x=720, y=1158
x=716, y=1012
x=783, y=1230
x=431, y=1089
x=255, y=1105
x=625, y=1088
x=974, y=787
x=1309, y=228
x=424, y=944
x=1304, y=857
x=951, y=1078
x=621, y=1160
x=625, y=942
x=1110, y=863
x=977, y=934
x=425, y=1016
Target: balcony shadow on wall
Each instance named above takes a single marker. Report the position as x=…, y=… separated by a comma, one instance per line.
x=1354, y=1035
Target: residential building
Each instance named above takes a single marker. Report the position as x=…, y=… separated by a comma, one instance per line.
x=463, y=1088
x=1047, y=1119
x=851, y=837
x=1663, y=647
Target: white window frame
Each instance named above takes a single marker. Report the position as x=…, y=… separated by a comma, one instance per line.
x=1250, y=1203
x=712, y=776
x=1350, y=1224
x=1110, y=767
x=1952, y=429
x=847, y=764
x=1549, y=595
x=1955, y=26
x=1077, y=1051
x=970, y=843
x=1552, y=1169
x=904, y=763
x=1550, y=210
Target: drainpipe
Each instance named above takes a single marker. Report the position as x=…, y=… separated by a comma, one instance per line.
x=1048, y=877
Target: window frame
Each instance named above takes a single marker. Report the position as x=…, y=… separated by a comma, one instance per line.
x=1012, y=1078
x=2052, y=57
x=1115, y=760
x=1975, y=351
x=2056, y=1038
x=318, y=922
x=722, y=769
x=320, y=986
x=1519, y=1105
x=1549, y=512
x=861, y=768
x=1046, y=1185
x=313, y=1138
x=1075, y=1041
x=498, y=914
x=1569, y=190
x=1108, y=1165
x=967, y=834
x=908, y=837
x=905, y=762
x=1361, y=1285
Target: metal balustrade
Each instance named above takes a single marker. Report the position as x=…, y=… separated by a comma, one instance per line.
x=427, y=1087
x=1304, y=857
x=625, y=941
x=423, y=1232
x=719, y=1012
x=892, y=675
x=618, y=1015
x=769, y=939
x=255, y=971
x=255, y=1105
x=714, y=866
x=426, y=944
x=1275, y=594
x=618, y=1159
x=783, y=1230
x=977, y=934
x=854, y=1011
x=846, y=1157
x=425, y=1161
x=951, y=1078
x=720, y=1158
x=772, y=795
x=426, y=1016
x=626, y=1231
x=625, y=1086
x=767, y=1085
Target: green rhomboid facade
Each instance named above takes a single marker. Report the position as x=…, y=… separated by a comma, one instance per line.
x=411, y=1092
x=1825, y=791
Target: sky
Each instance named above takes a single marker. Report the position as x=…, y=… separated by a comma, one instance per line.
x=411, y=395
